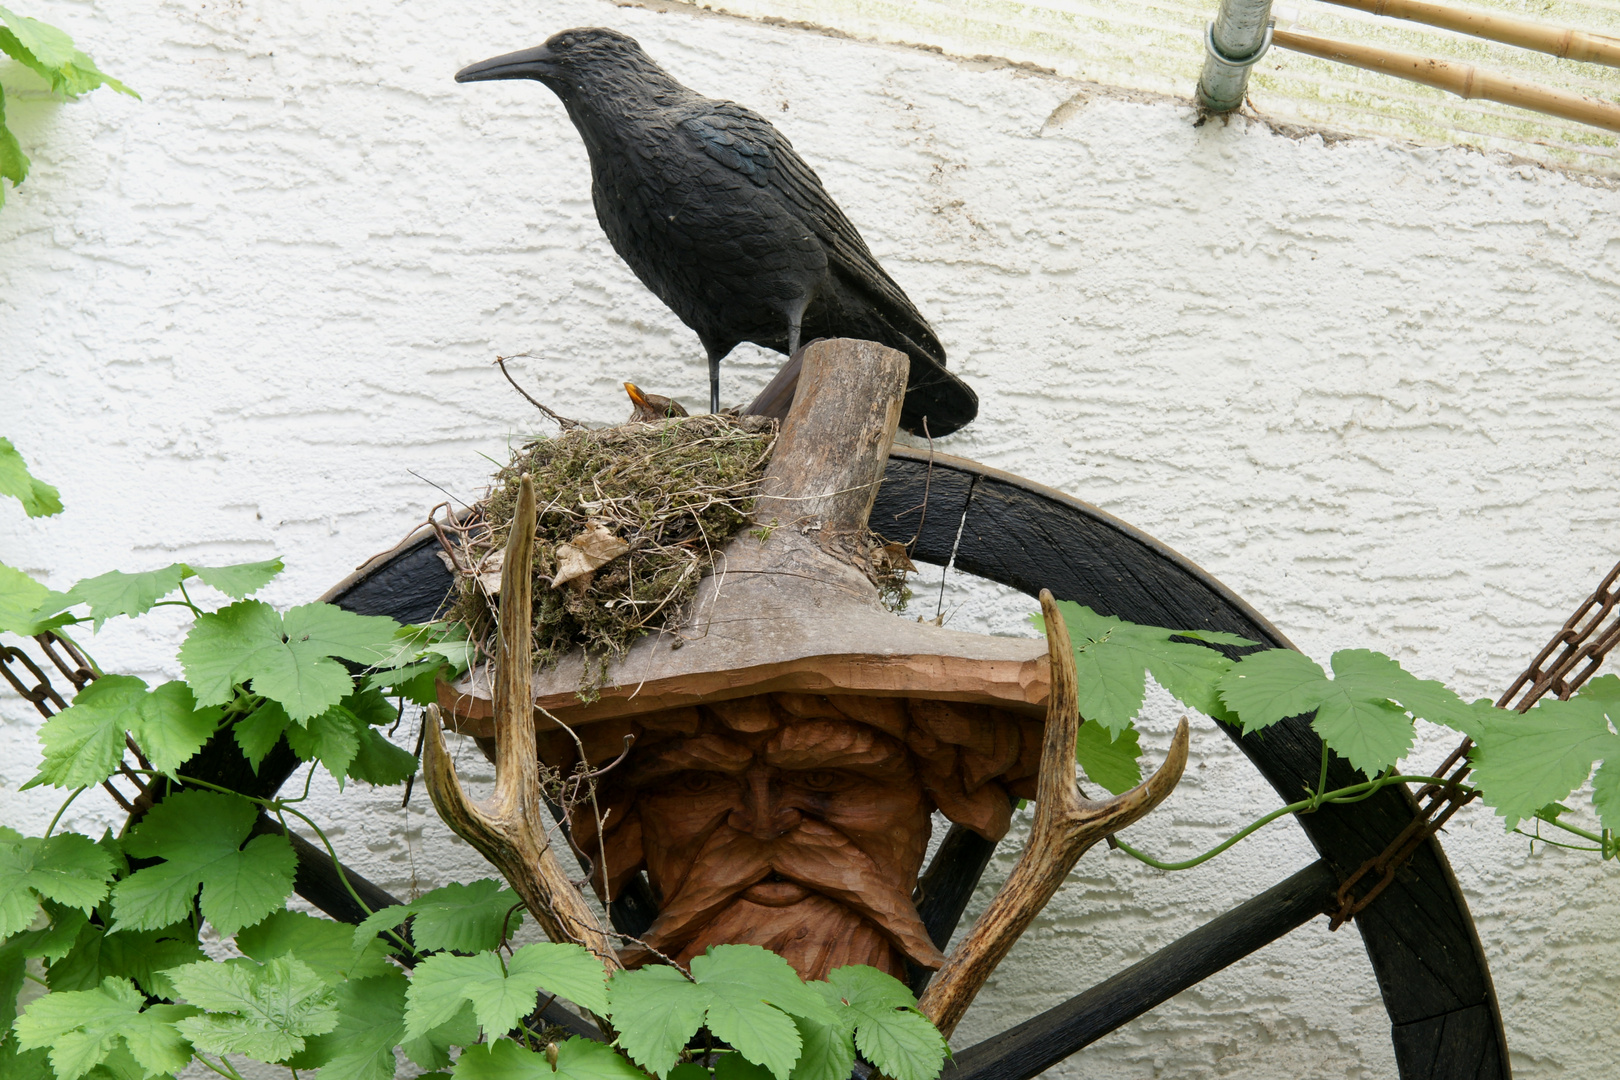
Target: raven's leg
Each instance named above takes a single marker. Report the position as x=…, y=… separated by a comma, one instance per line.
x=715, y=356
x=795, y=316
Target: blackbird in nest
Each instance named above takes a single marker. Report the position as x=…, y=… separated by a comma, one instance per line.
x=649, y=407
x=718, y=215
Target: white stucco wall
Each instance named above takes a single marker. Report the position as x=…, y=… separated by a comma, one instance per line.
x=1368, y=386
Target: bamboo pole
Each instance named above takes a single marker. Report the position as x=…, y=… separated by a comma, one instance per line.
x=1464, y=80
x=1561, y=41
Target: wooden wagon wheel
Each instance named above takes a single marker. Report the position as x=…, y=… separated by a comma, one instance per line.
x=1419, y=935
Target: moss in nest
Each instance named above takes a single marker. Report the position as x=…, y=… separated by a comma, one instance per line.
x=674, y=490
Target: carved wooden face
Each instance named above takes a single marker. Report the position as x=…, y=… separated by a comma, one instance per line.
x=787, y=822
x=806, y=840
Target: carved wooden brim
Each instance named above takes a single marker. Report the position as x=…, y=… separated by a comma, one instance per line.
x=788, y=607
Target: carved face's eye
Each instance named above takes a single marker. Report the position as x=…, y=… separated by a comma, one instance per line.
x=820, y=779
x=696, y=783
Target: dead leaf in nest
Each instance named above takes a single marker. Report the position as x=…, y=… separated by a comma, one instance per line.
x=894, y=557
x=582, y=556
x=489, y=572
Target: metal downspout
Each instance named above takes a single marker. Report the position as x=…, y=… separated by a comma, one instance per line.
x=1234, y=43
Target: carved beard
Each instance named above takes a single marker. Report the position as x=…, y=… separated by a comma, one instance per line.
x=829, y=904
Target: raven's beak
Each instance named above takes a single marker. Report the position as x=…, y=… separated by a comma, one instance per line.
x=532, y=63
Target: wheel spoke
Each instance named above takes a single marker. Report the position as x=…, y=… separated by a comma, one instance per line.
x=1044, y=1040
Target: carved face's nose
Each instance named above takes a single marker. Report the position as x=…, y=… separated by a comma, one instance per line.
x=762, y=814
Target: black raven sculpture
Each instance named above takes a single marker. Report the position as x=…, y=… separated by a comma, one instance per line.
x=724, y=222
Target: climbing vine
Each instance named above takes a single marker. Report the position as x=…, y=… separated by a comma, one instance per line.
x=1523, y=764
x=50, y=54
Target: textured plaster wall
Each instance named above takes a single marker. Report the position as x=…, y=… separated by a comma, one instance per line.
x=1369, y=387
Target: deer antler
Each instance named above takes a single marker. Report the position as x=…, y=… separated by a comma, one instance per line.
x=508, y=829
x=1066, y=824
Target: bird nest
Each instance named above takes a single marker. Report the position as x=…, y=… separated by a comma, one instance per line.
x=630, y=519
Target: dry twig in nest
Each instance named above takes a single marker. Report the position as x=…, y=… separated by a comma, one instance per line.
x=630, y=518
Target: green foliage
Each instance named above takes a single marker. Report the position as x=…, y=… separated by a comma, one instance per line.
x=889, y=1031
x=577, y=1059
x=1112, y=655
x=1109, y=760
x=83, y=1028
x=291, y=659
x=263, y=1011
x=67, y=868
x=501, y=995
x=1525, y=762
x=789, y=1030
x=84, y=743
x=460, y=918
x=199, y=836
x=328, y=948
x=141, y=955
x=38, y=498
x=51, y=55
x=20, y=597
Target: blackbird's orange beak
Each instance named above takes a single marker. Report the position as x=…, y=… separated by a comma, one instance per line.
x=637, y=396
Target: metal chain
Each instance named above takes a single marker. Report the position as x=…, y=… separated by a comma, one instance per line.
x=1573, y=655
x=75, y=667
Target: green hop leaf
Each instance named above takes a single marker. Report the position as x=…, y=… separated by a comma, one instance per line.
x=577, y=1059
x=828, y=1052
x=199, y=834
x=84, y=743
x=747, y=996
x=67, y=868
x=258, y=732
x=328, y=947
x=38, y=498
x=291, y=659
x=52, y=941
x=371, y=1022
x=1523, y=762
x=656, y=1011
x=239, y=580
x=889, y=1030
x=50, y=53
x=1606, y=793
x=1109, y=761
x=379, y=762
x=1111, y=655
x=1354, y=712
x=141, y=955
x=265, y=1012
x=499, y=1000
x=82, y=1028
x=21, y=596
x=117, y=593
x=461, y=918
x=432, y=1050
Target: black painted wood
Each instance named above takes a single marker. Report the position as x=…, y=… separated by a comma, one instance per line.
x=1042, y=1041
x=944, y=890
x=1453, y=1046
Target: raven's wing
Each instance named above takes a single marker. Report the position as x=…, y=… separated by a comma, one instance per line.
x=747, y=143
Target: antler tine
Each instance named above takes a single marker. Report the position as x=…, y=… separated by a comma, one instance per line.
x=1066, y=824
x=508, y=829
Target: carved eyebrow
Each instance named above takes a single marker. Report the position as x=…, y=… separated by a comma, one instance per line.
x=705, y=753
x=876, y=759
